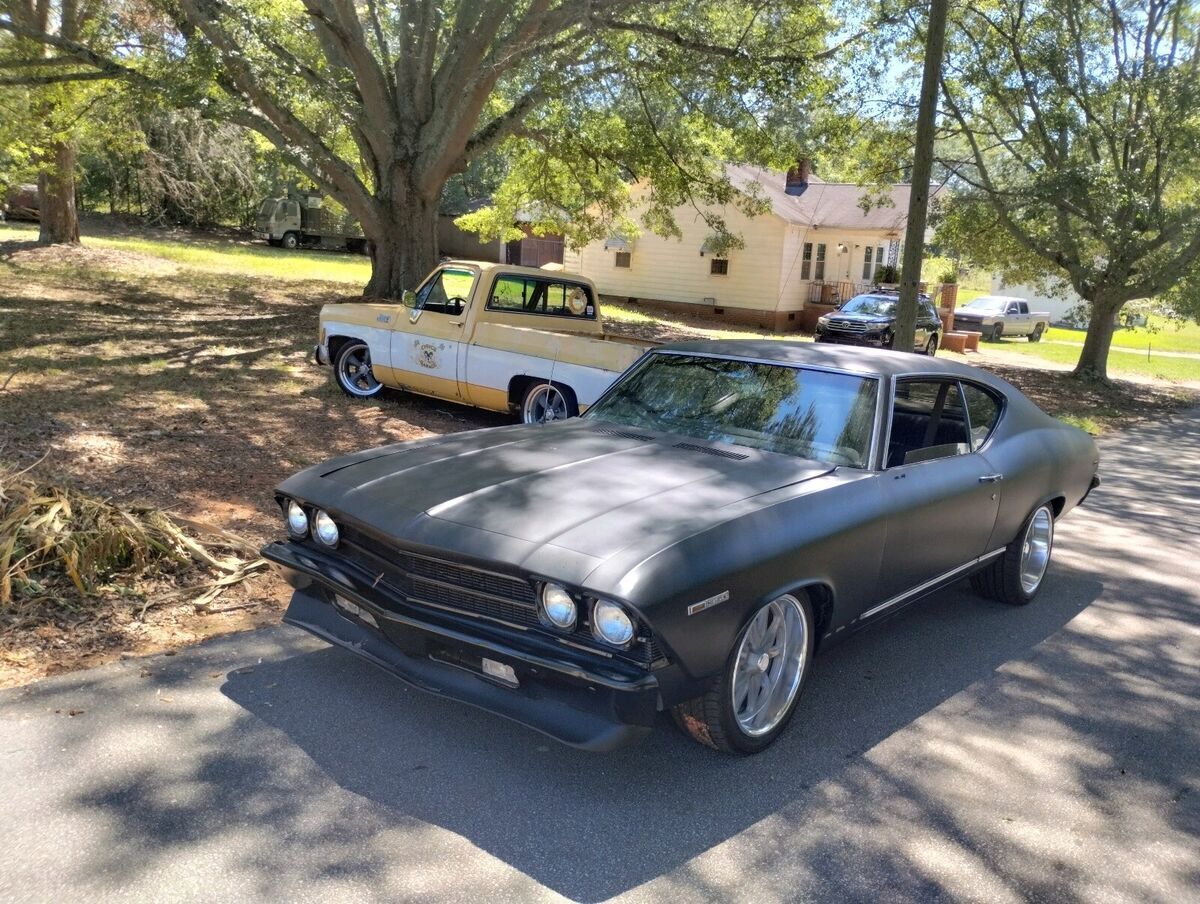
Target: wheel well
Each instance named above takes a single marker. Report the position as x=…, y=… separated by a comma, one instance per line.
x=821, y=598
x=1056, y=505
x=334, y=344
x=519, y=385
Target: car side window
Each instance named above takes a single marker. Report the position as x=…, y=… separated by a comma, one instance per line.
x=983, y=410
x=524, y=295
x=928, y=422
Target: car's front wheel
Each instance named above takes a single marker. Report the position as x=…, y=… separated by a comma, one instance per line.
x=997, y=332
x=352, y=370
x=1016, y=576
x=750, y=702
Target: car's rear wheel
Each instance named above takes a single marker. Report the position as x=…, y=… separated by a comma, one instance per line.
x=546, y=402
x=931, y=346
x=750, y=703
x=1036, y=335
x=352, y=370
x=1016, y=576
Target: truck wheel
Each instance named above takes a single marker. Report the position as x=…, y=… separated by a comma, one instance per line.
x=352, y=370
x=290, y=241
x=1036, y=335
x=997, y=332
x=749, y=704
x=545, y=402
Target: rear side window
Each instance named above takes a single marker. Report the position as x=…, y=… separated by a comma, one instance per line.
x=525, y=295
x=1024, y=307
x=983, y=410
x=928, y=421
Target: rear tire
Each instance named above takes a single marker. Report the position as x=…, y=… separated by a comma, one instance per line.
x=737, y=715
x=1036, y=335
x=1016, y=576
x=545, y=402
x=931, y=346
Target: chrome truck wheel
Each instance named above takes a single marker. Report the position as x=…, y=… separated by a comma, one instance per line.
x=352, y=370
x=545, y=402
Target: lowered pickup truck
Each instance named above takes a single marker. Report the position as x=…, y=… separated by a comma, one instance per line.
x=499, y=337
x=998, y=315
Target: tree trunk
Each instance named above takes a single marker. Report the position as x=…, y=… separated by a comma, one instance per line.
x=405, y=248
x=56, y=194
x=918, y=203
x=1093, y=360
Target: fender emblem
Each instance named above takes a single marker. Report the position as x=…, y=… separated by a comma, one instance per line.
x=383, y=318
x=708, y=603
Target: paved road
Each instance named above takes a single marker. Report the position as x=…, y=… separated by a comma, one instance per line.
x=964, y=751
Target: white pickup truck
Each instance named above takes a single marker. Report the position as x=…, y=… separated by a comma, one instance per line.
x=999, y=315
x=500, y=337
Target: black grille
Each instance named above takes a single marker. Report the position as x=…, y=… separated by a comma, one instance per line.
x=850, y=326
x=624, y=434
x=709, y=450
x=426, y=581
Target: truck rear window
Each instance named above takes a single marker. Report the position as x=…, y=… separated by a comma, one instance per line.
x=529, y=295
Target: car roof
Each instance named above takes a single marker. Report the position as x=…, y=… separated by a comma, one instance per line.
x=854, y=359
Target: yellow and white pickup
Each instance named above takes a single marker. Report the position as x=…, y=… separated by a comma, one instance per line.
x=496, y=336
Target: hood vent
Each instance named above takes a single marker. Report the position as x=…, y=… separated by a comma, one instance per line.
x=624, y=434
x=709, y=450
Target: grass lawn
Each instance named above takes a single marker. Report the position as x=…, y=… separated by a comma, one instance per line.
x=1120, y=361
x=1162, y=335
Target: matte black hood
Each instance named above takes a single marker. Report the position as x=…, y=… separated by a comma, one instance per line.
x=581, y=489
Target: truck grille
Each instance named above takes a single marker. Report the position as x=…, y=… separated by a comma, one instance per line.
x=464, y=590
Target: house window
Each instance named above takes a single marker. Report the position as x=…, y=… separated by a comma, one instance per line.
x=806, y=263
x=868, y=269
x=718, y=266
x=622, y=259
x=819, y=268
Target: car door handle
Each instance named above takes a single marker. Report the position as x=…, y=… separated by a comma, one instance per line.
x=991, y=478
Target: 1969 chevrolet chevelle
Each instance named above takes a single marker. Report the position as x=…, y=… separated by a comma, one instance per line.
x=723, y=511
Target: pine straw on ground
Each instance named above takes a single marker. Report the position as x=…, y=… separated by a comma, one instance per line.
x=78, y=565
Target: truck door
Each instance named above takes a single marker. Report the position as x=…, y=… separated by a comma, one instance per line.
x=429, y=345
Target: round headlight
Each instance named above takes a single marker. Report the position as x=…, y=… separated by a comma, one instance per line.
x=296, y=519
x=611, y=623
x=558, y=608
x=324, y=529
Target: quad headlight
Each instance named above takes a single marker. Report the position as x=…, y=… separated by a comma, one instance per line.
x=297, y=520
x=324, y=529
x=557, y=607
x=611, y=623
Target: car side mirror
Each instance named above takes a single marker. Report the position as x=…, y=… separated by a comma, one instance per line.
x=408, y=298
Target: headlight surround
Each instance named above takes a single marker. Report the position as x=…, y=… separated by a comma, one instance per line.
x=324, y=529
x=297, y=519
x=612, y=624
x=557, y=608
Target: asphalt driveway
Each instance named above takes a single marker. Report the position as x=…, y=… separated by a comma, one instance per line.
x=962, y=751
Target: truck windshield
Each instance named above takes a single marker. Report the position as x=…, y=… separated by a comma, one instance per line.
x=812, y=414
x=446, y=291
x=267, y=207
x=988, y=305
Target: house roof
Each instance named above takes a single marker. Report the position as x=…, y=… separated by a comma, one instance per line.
x=824, y=204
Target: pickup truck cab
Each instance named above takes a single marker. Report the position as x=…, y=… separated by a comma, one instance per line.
x=999, y=315
x=495, y=336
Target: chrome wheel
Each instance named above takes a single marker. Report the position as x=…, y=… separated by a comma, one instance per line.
x=770, y=664
x=1035, y=549
x=544, y=403
x=354, y=371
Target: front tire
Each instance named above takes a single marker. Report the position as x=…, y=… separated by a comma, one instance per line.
x=751, y=702
x=352, y=370
x=1016, y=576
x=290, y=241
x=997, y=332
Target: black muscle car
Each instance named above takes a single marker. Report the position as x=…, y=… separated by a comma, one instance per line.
x=870, y=319
x=724, y=511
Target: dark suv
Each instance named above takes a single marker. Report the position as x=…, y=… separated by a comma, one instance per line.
x=870, y=319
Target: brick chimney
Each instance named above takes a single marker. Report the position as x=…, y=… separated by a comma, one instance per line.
x=797, y=177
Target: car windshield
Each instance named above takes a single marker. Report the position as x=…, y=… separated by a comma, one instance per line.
x=870, y=304
x=987, y=305
x=796, y=411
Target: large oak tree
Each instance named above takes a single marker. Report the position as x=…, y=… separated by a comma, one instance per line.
x=1078, y=123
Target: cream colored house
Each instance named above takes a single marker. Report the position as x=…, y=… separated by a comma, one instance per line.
x=816, y=243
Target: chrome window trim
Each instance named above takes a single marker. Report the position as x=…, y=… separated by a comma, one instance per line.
x=941, y=378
